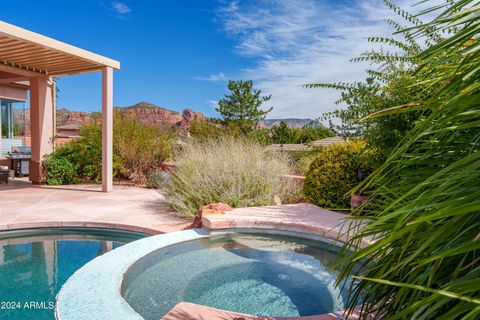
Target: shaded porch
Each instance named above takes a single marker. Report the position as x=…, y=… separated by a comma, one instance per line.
x=30, y=61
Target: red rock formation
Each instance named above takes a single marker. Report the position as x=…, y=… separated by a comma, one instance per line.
x=148, y=113
x=188, y=116
x=67, y=117
x=144, y=112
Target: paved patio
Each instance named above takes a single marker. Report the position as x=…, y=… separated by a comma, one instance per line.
x=23, y=205
x=302, y=218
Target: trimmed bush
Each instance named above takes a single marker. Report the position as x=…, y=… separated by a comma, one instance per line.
x=60, y=171
x=333, y=173
x=232, y=171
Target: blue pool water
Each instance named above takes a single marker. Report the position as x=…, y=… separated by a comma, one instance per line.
x=255, y=274
x=35, y=264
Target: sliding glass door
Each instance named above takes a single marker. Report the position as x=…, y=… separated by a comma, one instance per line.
x=6, y=119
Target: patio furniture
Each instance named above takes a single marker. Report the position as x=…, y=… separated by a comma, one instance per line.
x=4, y=176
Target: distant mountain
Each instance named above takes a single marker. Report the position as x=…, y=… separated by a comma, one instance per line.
x=147, y=106
x=144, y=112
x=291, y=122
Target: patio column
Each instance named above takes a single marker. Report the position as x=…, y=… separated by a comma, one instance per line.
x=42, y=123
x=107, y=129
x=1, y=143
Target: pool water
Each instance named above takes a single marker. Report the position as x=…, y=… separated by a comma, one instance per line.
x=35, y=264
x=255, y=274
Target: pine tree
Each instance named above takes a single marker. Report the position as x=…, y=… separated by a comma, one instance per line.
x=242, y=106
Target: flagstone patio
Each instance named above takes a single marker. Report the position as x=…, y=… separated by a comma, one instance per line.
x=23, y=205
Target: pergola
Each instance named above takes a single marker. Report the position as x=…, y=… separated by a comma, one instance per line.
x=32, y=59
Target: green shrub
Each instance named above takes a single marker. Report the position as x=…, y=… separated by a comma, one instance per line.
x=302, y=159
x=138, y=150
x=237, y=172
x=333, y=173
x=303, y=164
x=205, y=130
x=85, y=153
x=283, y=134
x=60, y=171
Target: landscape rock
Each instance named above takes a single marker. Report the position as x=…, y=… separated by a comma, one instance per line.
x=214, y=208
x=277, y=200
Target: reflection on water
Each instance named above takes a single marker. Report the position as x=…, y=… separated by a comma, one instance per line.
x=33, y=269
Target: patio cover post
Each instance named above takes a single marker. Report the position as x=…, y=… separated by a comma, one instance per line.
x=42, y=123
x=107, y=129
x=1, y=143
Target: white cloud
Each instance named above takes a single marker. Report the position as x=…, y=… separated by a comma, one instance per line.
x=213, y=77
x=297, y=42
x=121, y=8
x=213, y=103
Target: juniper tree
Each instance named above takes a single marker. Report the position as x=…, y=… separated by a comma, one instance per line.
x=242, y=106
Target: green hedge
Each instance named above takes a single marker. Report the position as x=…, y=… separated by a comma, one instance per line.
x=333, y=173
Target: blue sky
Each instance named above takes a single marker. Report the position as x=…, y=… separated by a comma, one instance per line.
x=181, y=53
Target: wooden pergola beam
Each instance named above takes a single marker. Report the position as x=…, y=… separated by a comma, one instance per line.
x=28, y=38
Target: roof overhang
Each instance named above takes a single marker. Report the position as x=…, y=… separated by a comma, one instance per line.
x=34, y=54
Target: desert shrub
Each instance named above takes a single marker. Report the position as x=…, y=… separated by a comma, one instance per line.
x=260, y=135
x=237, y=172
x=211, y=129
x=302, y=159
x=303, y=164
x=59, y=171
x=333, y=173
x=205, y=130
x=282, y=133
x=139, y=149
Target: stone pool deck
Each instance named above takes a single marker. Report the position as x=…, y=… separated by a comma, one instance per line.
x=304, y=218
x=23, y=206
x=192, y=311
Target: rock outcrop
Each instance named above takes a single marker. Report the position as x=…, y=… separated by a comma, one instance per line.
x=66, y=117
x=148, y=113
x=143, y=112
x=189, y=116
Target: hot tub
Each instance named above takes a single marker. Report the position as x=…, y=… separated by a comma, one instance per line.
x=258, y=274
x=254, y=271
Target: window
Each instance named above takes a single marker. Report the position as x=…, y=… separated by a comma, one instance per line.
x=11, y=127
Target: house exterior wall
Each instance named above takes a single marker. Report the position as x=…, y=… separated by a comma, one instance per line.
x=13, y=93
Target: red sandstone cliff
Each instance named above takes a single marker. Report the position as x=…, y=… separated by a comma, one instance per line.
x=149, y=113
x=144, y=112
x=67, y=117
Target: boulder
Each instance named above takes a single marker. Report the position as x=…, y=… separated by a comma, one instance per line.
x=214, y=208
x=277, y=200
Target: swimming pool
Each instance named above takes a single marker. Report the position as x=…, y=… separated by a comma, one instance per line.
x=248, y=273
x=34, y=264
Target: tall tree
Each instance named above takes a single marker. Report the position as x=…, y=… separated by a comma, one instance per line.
x=242, y=106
